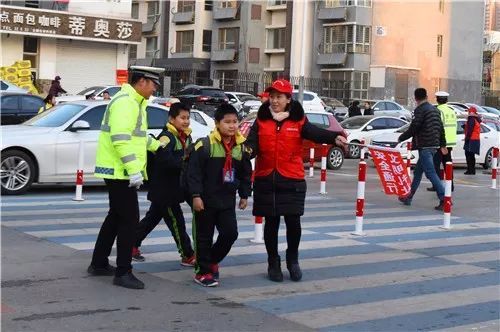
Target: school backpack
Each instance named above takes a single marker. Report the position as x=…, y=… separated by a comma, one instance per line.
x=185, y=160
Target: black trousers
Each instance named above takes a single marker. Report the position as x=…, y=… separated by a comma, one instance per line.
x=470, y=157
x=293, y=233
x=120, y=223
x=174, y=218
x=204, y=224
x=440, y=159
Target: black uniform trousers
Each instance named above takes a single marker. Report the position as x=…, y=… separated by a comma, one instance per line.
x=439, y=159
x=470, y=157
x=293, y=234
x=174, y=218
x=120, y=223
x=204, y=224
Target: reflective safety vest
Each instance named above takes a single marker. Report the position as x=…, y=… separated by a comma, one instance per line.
x=123, y=141
x=449, y=119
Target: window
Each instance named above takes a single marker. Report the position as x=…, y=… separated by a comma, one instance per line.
x=360, y=85
x=56, y=116
x=112, y=91
x=346, y=85
x=378, y=124
x=30, y=50
x=228, y=4
x=10, y=103
x=209, y=5
x=30, y=104
x=317, y=120
x=152, y=47
x=184, y=41
x=276, y=38
x=198, y=118
x=157, y=117
x=256, y=12
x=394, y=123
x=94, y=117
x=153, y=11
x=132, y=52
x=485, y=129
x=440, y=46
x=307, y=96
x=207, y=41
x=391, y=106
x=346, y=39
x=253, y=55
x=4, y=85
x=277, y=2
x=347, y=3
x=460, y=127
x=185, y=6
x=441, y=6
x=32, y=3
x=229, y=39
x=135, y=10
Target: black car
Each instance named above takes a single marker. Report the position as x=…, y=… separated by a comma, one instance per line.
x=18, y=107
x=203, y=98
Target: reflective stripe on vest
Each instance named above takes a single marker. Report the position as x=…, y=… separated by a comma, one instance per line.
x=137, y=131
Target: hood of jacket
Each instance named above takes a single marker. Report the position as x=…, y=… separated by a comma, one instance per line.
x=295, y=109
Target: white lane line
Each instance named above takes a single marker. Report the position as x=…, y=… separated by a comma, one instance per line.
x=488, y=326
x=473, y=257
x=442, y=242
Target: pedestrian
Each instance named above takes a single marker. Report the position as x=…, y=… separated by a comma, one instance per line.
x=472, y=131
x=354, y=109
x=121, y=162
x=264, y=96
x=106, y=96
x=165, y=192
x=49, y=102
x=218, y=166
x=449, y=119
x=55, y=87
x=427, y=132
x=368, y=109
x=279, y=186
x=90, y=96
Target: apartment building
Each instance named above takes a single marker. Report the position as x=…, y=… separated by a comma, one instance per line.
x=491, y=54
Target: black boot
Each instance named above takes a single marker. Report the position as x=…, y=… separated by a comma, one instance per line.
x=274, y=269
x=294, y=269
x=107, y=270
x=128, y=280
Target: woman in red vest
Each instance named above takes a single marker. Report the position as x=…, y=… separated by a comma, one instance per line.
x=279, y=187
x=472, y=140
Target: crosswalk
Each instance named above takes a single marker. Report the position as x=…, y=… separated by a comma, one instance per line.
x=405, y=274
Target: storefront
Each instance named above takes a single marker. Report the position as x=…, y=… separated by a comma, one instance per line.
x=83, y=50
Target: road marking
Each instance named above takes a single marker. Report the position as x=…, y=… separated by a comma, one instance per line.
x=441, y=242
x=489, y=326
x=473, y=257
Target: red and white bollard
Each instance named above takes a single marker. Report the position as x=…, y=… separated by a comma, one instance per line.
x=311, y=162
x=494, y=168
x=448, y=174
x=258, y=235
x=408, y=158
x=322, y=188
x=79, y=174
x=360, y=200
x=362, y=150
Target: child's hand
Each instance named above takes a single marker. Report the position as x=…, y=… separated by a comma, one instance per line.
x=198, y=204
x=243, y=204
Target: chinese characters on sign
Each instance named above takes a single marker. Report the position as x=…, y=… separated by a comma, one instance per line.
x=61, y=24
x=392, y=171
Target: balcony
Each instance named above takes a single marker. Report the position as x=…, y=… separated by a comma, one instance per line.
x=183, y=17
x=148, y=27
x=332, y=59
x=336, y=14
x=276, y=5
x=226, y=14
x=227, y=55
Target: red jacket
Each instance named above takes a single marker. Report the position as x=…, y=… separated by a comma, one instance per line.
x=472, y=128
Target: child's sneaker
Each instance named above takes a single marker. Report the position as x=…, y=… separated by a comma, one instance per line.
x=405, y=200
x=188, y=261
x=215, y=271
x=136, y=255
x=206, y=280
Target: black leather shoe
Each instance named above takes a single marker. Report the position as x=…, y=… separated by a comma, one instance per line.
x=128, y=280
x=295, y=272
x=274, y=270
x=440, y=206
x=101, y=271
x=431, y=189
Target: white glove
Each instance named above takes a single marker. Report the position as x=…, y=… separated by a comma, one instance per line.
x=136, y=180
x=163, y=144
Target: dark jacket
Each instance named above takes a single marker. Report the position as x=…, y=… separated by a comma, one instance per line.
x=276, y=195
x=55, y=88
x=426, y=128
x=164, y=182
x=205, y=172
x=354, y=110
x=368, y=111
x=472, y=141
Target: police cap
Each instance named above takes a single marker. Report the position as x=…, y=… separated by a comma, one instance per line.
x=152, y=73
x=442, y=94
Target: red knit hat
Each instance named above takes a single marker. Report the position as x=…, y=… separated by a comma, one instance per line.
x=472, y=109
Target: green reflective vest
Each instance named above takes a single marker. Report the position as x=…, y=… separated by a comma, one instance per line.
x=123, y=141
x=449, y=118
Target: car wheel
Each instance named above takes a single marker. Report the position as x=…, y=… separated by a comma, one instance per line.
x=354, y=150
x=17, y=172
x=488, y=159
x=335, y=158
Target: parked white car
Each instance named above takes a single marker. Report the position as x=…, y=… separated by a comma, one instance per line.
x=9, y=87
x=44, y=149
x=391, y=108
x=238, y=98
x=97, y=91
x=312, y=102
x=489, y=139
x=360, y=128
x=203, y=118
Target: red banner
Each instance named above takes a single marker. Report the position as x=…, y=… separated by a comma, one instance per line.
x=392, y=171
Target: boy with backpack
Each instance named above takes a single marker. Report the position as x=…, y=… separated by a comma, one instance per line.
x=218, y=166
x=165, y=190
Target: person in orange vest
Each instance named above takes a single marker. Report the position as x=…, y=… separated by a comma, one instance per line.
x=472, y=140
x=279, y=188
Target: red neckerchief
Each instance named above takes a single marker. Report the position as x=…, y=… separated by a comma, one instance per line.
x=228, y=164
x=183, y=138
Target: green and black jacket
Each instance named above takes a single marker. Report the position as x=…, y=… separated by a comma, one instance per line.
x=205, y=169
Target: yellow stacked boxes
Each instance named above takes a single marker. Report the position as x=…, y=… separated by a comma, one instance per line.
x=24, y=79
x=23, y=72
x=23, y=64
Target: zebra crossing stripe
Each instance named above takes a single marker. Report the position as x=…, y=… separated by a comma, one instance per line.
x=443, y=242
x=473, y=257
x=491, y=325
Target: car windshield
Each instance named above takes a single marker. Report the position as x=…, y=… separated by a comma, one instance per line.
x=355, y=122
x=245, y=97
x=213, y=93
x=56, y=116
x=493, y=125
x=91, y=89
x=403, y=129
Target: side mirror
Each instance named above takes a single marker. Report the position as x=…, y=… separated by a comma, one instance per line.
x=232, y=100
x=79, y=125
x=368, y=128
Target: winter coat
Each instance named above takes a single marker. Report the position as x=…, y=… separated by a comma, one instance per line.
x=426, y=128
x=472, y=128
x=55, y=88
x=275, y=194
x=353, y=110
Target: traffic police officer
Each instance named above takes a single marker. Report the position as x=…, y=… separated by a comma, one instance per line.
x=449, y=119
x=121, y=162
